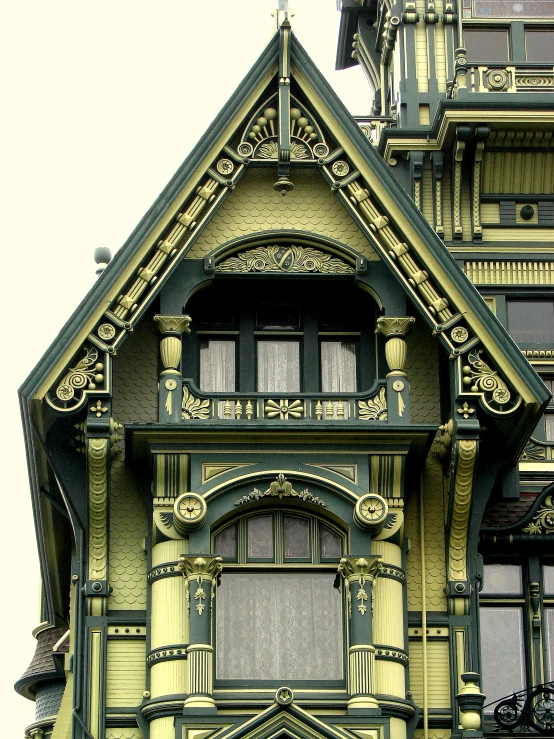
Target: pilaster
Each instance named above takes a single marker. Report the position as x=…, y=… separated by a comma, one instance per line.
x=171, y=329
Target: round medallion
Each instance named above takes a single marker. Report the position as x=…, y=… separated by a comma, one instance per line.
x=371, y=512
x=170, y=384
x=106, y=331
x=398, y=385
x=321, y=150
x=459, y=334
x=225, y=166
x=284, y=696
x=245, y=149
x=189, y=512
x=340, y=168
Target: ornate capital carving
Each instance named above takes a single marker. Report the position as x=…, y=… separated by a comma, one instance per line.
x=391, y=326
x=173, y=324
x=359, y=570
x=197, y=570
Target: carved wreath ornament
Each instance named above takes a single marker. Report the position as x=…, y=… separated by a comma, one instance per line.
x=281, y=488
x=279, y=258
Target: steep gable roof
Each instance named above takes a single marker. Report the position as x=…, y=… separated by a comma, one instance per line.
x=390, y=223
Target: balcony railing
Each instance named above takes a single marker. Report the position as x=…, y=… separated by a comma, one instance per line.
x=525, y=712
x=502, y=78
x=299, y=407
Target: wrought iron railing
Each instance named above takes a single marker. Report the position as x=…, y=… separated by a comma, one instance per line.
x=526, y=712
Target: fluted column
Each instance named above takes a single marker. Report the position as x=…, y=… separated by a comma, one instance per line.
x=172, y=329
x=358, y=574
x=200, y=572
x=394, y=329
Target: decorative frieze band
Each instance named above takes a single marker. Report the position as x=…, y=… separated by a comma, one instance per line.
x=510, y=273
x=169, y=652
x=392, y=654
x=167, y=569
x=393, y=573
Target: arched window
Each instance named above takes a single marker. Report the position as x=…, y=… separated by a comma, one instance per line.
x=278, y=615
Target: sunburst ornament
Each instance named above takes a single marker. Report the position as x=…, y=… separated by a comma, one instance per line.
x=189, y=512
x=371, y=512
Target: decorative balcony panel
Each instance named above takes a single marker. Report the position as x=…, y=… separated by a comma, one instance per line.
x=507, y=78
x=275, y=407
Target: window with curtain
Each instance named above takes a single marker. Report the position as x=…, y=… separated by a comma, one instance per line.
x=506, y=611
x=259, y=634
x=217, y=369
x=278, y=366
x=338, y=369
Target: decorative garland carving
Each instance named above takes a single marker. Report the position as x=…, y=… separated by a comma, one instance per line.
x=284, y=259
x=359, y=570
x=98, y=508
x=463, y=488
x=281, y=488
x=374, y=409
x=543, y=520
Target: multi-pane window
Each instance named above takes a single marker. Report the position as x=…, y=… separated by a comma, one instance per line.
x=243, y=342
x=517, y=622
x=531, y=322
x=278, y=615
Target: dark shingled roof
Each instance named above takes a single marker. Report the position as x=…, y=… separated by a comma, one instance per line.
x=42, y=665
x=503, y=513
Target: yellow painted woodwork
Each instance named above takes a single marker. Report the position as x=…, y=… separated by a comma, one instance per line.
x=467, y=233
x=169, y=551
x=435, y=565
x=125, y=672
x=490, y=212
x=162, y=728
x=440, y=49
x=255, y=206
x=397, y=728
x=123, y=734
x=427, y=184
x=446, y=203
x=62, y=727
x=169, y=612
x=518, y=172
x=424, y=115
x=128, y=527
x=95, y=682
x=518, y=234
x=438, y=673
x=421, y=51
x=169, y=678
x=433, y=734
x=510, y=273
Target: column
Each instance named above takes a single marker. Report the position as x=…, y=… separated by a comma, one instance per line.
x=172, y=329
x=358, y=574
x=398, y=390
x=201, y=573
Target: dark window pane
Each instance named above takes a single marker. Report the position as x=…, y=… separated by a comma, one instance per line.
x=278, y=366
x=502, y=580
x=297, y=537
x=277, y=316
x=279, y=626
x=502, y=652
x=531, y=322
x=260, y=537
x=486, y=45
x=539, y=45
x=330, y=543
x=225, y=544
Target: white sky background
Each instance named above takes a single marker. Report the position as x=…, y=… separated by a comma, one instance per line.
x=101, y=102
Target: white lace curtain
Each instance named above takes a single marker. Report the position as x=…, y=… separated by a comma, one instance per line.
x=278, y=367
x=279, y=626
x=338, y=367
x=217, y=366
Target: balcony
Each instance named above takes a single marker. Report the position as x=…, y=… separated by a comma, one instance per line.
x=500, y=77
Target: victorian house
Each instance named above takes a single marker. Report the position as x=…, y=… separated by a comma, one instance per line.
x=291, y=459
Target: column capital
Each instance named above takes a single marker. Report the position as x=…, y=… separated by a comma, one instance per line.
x=391, y=326
x=359, y=570
x=173, y=324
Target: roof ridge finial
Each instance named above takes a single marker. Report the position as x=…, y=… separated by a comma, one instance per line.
x=282, y=14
